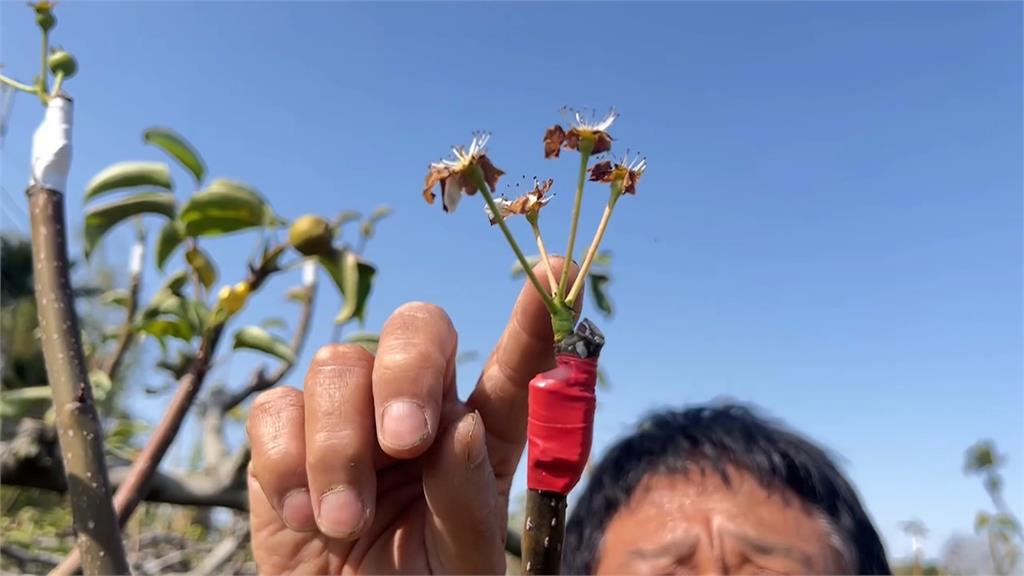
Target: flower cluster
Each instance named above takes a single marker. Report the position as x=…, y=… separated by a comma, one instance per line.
x=454, y=175
x=528, y=204
x=469, y=171
x=624, y=174
x=594, y=133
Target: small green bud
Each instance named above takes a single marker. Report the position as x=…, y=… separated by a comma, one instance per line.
x=61, y=61
x=44, y=15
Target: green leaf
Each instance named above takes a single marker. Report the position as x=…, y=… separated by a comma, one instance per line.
x=99, y=220
x=354, y=279
x=367, y=340
x=603, y=258
x=196, y=313
x=101, y=384
x=171, y=236
x=115, y=298
x=981, y=521
x=174, y=283
x=369, y=226
x=129, y=175
x=256, y=338
x=178, y=148
x=204, y=269
x=298, y=294
x=598, y=283
x=223, y=207
x=161, y=328
x=982, y=456
x=343, y=218
x=15, y=402
x=274, y=323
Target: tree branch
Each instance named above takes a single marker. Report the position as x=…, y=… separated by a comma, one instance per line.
x=27, y=559
x=81, y=434
x=135, y=485
x=127, y=337
x=222, y=553
x=260, y=380
x=31, y=460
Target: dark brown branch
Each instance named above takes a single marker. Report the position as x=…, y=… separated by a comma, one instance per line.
x=31, y=460
x=543, y=531
x=135, y=485
x=78, y=423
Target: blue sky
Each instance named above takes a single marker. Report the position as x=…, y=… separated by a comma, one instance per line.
x=830, y=227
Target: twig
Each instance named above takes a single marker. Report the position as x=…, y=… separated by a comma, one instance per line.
x=80, y=432
x=260, y=381
x=222, y=553
x=127, y=336
x=158, y=565
x=26, y=558
x=130, y=493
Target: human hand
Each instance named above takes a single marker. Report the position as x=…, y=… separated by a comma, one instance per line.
x=378, y=467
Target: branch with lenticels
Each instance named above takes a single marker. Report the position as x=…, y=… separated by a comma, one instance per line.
x=135, y=485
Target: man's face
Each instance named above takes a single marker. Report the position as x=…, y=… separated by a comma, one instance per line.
x=695, y=524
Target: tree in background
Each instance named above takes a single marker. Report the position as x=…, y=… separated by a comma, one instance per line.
x=1000, y=525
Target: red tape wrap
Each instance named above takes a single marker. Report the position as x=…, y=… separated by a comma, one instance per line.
x=560, y=426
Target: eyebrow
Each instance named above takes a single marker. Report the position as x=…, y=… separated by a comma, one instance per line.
x=678, y=548
x=768, y=548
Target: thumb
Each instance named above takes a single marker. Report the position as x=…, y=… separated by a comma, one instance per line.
x=465, y=526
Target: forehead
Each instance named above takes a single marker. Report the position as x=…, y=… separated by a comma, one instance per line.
x=702, y=507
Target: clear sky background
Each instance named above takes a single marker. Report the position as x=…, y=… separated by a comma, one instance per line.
x=830, y=227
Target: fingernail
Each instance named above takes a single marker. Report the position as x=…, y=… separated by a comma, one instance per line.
x=297, y=511
x=404, y=424
x=476, y=450
x=341, y=512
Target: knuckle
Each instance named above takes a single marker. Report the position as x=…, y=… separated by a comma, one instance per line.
x=345, y=354
x=271, y=410
x=414, y=314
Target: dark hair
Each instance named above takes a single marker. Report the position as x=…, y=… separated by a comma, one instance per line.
x=718, y=437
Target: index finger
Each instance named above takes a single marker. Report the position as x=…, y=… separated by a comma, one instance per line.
x=525, y=349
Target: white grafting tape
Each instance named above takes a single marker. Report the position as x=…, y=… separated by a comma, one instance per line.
x=51, y=147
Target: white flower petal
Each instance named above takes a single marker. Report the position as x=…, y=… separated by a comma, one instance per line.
x=453, y=190
x=607, y=122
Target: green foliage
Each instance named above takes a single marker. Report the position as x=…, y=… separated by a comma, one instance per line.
x=366, y=340
x=223, y=207
x=354, y=279
x=171, y=236
x=202, y=266
x=256, y=338
x=1001, y=527
x=129, y=175
x=178, y=148
x=99, y=220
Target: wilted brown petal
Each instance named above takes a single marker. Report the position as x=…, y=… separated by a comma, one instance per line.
x=629, y=182
x=435, y=175
x=491, y=174
x=602, y=142
x=553, y=139
x=541, y=188
x=572, y=140
x=601, y=172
